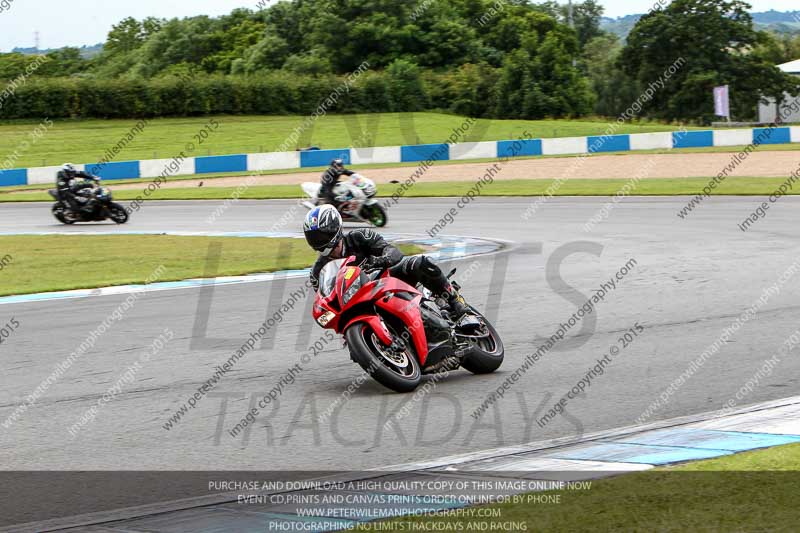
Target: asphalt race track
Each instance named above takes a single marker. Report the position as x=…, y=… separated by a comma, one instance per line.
x=693, y=277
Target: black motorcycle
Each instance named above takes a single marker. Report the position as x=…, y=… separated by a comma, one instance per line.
x=98, y=207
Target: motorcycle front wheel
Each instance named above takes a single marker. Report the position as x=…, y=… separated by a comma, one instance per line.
x=117, y=213
x=58, y=211
x=399, y=372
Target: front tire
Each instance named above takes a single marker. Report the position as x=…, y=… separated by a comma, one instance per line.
x=117, y=213
x=487, y=354
x=398, y=372
x=58, y=211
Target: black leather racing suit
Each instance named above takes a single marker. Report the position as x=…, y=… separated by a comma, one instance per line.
x=70, y=184
x=329, y=180
x=365, y=243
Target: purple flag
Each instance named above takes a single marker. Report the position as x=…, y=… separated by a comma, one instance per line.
x=722, y=103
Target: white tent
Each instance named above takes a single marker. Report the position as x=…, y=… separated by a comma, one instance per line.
x=792, y=67
x=768, y=112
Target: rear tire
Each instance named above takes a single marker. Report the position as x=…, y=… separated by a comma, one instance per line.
x=486, y=355
x=368, y=351
x=376, y=215
x=117, y=213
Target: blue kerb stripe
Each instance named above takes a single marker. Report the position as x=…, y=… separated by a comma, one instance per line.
x=692, y=139
x=620, y=452
x=323, y=158
x=733, y=441
x=221, y=163
x=115, y=171
x=425, y=152
x=525, y=147
x=14, y=176
x=774, y=136
x=609, y=143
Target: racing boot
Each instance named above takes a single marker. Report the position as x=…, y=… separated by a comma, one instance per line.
x=458, y=307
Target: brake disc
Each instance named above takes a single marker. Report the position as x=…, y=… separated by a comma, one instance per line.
x=399, y=360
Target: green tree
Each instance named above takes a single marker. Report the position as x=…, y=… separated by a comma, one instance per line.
x=586, y=17
x=406, y=90
x=313, y=63
x=441, y=37
x=352, y=31
x=66, y=61
x=125, y=36
x=12, y=65
x=478, y=57
x=514, y=25
x=714, y=40
x=269, y=53
x=468, y=90
x=614, y=89
x=189, y=40
x=129, y=34
x=540, y=80
x=778, y=48
x=234, y=41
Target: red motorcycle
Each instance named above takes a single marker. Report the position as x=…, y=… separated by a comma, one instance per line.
x=396, y=332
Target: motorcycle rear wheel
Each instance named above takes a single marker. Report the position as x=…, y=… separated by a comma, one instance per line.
x=375, y=214
x=487, y=354
x=400, y=373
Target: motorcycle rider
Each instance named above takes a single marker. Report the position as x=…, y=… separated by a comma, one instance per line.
x=70, y=182
x=323, y=231
x=329, y=180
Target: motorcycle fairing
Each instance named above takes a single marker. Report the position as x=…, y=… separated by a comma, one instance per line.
x=383, y=292
x=409, y=313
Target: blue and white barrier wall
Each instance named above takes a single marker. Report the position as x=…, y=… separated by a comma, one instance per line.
x=406, y=154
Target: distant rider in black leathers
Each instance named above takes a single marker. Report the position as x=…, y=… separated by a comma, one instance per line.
x=329, y=180
x=70, y=182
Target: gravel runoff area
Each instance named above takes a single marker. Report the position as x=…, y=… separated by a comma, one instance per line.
x=687, y=165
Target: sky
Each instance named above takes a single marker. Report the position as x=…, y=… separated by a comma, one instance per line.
x=77, y=22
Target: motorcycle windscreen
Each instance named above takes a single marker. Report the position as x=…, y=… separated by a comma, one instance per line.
x=327, y=278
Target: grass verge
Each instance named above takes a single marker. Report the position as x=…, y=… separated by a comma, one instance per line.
x=744, y=186
x=43, y=263
x=754, y=491
x=85, y=141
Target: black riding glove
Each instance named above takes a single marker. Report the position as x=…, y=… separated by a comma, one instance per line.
x=377, y=263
